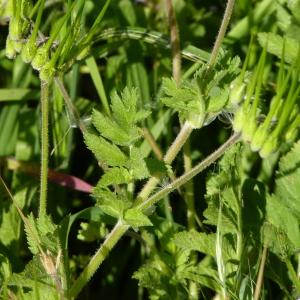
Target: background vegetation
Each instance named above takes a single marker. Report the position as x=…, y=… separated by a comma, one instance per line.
x=98, y=201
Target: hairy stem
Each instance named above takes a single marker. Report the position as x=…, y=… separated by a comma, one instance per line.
x=168, y=159
x=189, y=187
x=154, y=146
x=114, y=236
x=120, y=229
x=180, y=140
x=189, y=175
x=221, y=34
x=44, y=148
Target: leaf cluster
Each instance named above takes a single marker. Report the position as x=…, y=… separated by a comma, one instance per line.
x=200, y=100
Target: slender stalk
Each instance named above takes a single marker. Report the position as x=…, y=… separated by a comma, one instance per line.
x=221, y=34
x=189, y=187
x=168, y=159
x=110, y=241
x=180, y=140
x=175, y=42
x=260, y=277
x=188, y=176
x=176, y=59
x=293, y=275
x=70, y=106
x=154, y=146
x=44, y=148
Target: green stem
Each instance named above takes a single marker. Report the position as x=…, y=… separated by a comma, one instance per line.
x=175, y=42
x=44, y=147
x=120, y=229
x=260, y=277
x=221, y=34
x=110, y=241
x=189, y=175
x=174, y=149
x=180, y=140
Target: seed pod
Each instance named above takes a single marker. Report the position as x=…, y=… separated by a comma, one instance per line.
x=26, y=8
x=260, y=136
x=270, y=146
x=249, y=129
x=15, y=28
x=84, y=53
x=47, y=72
x=10, y=51
x=291, y=135
x=41, y=58
x=292, y=130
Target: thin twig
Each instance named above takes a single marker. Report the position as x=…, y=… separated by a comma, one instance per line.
x=188, y=176
x=175, y=42
x=154, y=146
x=168, y=159
x=221, y=34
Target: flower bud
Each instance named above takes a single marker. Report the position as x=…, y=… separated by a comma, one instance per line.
x=260, y=136
x=249, y=129
x=10, y=51
x=15, y=28
x=47, y=72
x=84, y=53
x=238, y=120
x=291, y=135
x=41, y=58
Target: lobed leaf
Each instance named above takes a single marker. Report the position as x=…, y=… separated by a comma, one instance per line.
x=105, y=151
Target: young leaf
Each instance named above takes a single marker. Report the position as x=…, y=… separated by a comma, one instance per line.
x=196, y=241
x=32, y=235
x=111, y=130
x=124, y=108
x=137, y=164
x=135, y=218
x=115, y=176
x=111, y=203
x=105, y=151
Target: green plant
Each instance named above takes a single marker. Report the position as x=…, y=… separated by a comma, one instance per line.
x=226, y=247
